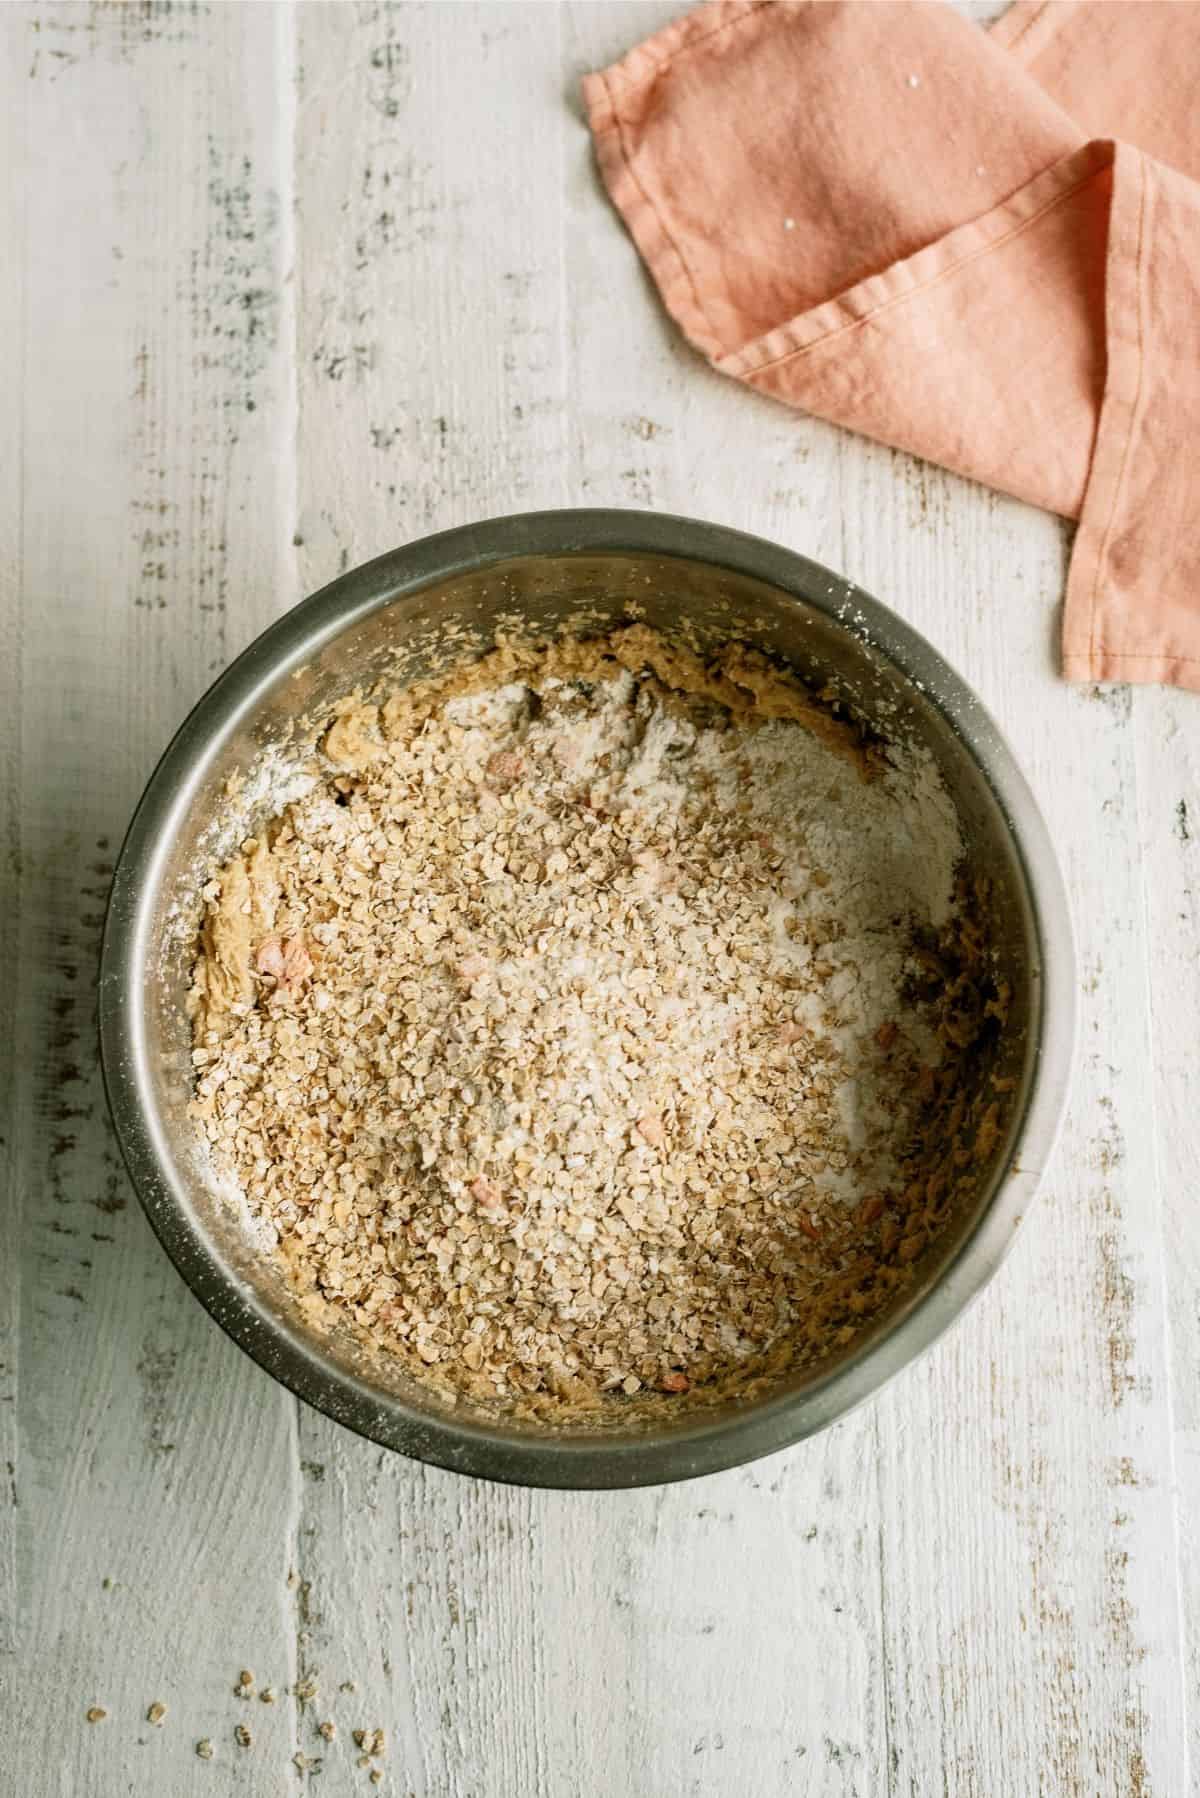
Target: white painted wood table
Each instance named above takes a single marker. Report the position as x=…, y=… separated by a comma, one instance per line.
x=279, y=289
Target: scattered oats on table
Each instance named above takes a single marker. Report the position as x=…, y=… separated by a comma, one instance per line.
x=96, y=1714
x=204, y=1749
x=580, y=1035
x=156, y=1712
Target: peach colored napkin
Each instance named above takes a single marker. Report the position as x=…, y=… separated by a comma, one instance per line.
x=980, y=247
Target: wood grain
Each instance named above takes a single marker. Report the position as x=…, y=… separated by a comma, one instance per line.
x=156, y=1466
x=13, y=131
x=288, y=286
x=1168, y=770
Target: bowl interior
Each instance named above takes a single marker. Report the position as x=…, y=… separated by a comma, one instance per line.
x=274, y=710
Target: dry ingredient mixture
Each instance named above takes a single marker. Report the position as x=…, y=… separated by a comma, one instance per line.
x=591, y=1026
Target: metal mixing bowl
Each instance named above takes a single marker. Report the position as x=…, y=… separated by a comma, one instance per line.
x=553, y=569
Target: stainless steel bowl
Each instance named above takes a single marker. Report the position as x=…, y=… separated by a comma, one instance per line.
x=552, y=569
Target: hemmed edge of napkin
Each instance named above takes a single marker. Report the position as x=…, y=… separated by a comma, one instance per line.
x=927, y=266
x=1084, y=658
x=643, y=221
x=1096, y=599
x=641, y=216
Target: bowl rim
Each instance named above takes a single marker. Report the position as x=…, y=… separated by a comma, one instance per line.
x=576, y=1461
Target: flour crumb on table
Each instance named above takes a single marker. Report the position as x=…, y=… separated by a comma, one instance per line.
x=580, y=1032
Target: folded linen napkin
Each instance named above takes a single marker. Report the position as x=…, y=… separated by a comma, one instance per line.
x=982, y=247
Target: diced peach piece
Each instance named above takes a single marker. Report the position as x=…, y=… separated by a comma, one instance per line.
x=650, y=1129
x=269, y=959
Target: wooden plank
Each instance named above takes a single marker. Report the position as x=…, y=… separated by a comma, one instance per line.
x=12, y=309
x=430, y=206
x=1168, y=742
x=156, y=1464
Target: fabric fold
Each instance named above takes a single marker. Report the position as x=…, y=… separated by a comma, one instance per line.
x=877, y=214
